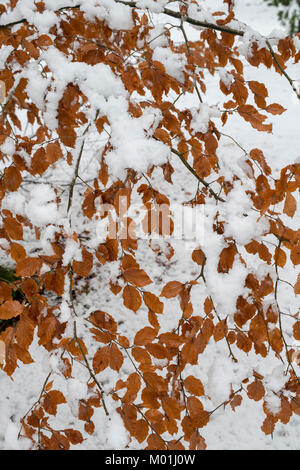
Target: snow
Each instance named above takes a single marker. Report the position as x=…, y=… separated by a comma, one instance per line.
x=173, y=63
x=41, y=207
x=117, y=16
x=132, y=147
x=157, y=36
x=201, y=117
x=117, y=436
x=153, y=5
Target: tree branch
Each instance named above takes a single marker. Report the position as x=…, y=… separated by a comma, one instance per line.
x=191, y=170
x=281, y=69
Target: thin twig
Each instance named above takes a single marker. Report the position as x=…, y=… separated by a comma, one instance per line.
x=282, y=70
x=89, y=369
x=191, y=170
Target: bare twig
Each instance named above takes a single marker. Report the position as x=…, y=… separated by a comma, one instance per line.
x=282, y=70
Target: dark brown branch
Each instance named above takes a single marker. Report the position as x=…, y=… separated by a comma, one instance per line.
x=281, y=69
x=189, y=20
x=166, y=11
x=191, y=170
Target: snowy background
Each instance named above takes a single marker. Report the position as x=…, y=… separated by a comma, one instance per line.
x=227, y=429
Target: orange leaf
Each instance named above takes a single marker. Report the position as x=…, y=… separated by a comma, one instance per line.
x=51, y=400
x=10, y=309
x=115, y=358
x=13, y=228
x=132, y=298
x=155, y=443
x=198, y=256
x=226, y=258
x=194, y=386
x=47, y=328
x=145, y=335
x=268, y=425
x=220, y=330
x=280, y=257
x=171, y=407
x=74, y=436
x=256, y=390
x=12, y=178
x=297, y=286
x=275, y=108
x=53, y=152
x=250, y=114
x=290, y=205
x=17, y=252
x=83, y=268
x=296, y=329
x=101, y=359
x=175, y=445
x=28, y=267
x=136, y=276
x=236, y=401
x=153, y=302
x=103, y=320
x=172, y=289
x=141, y=430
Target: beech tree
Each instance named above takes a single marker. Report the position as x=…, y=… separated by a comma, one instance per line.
x=112, y=94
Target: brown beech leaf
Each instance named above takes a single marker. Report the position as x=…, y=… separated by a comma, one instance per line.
x=17, y=252
x=74, y=436
x=47, y=328
x=251, y=115
x=171, y=407
x=13, y=228
x=226, y=258
x=155, y=443
x=236, y=401
x=28, y=267
x=194, y=386
x=85, y=412
x=141, y=430
x=136, y=276
x=268, y=425
x=280, y=257
x=5, y=292
x=115, y=358
x=275, y=108
x=153, y=302
x=260, y=93
x=297, y=286
x=197, y=442
x=256, y=390
x=12, y=178
x=157, y=350
x=296, y=329
x=10, y=309
x=83, y=268
x=198, y=256
x=101, y=359
x=171, y=289
x=103, y=320
x=290, y=205
x=220, y=330
x=145, y=335
x=132, y=298
x=53, y=152
x=52, y=399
